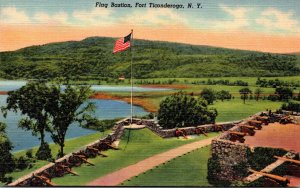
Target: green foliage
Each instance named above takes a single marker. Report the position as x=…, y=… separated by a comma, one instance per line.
x=284, y=93
x=258, y=92
x=22, y=162
x=273, y=97
x=44, y=152
x=263, y=156
x=100, y=125
x=276, y=83
x=244, y=92
x=6, y=158
x=66, y=107
x=291, y=106
x=29, y=153
x=52, y=109
x=221, y=82
x=222, y=95
x=241, y=169
x=30, y=100
x=208, y=94
x=152, y=59
x=181, y=110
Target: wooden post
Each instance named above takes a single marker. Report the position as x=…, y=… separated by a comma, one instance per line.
x=276, y=177
x=287, y=159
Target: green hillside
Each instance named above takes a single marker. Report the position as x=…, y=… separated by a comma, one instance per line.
x=92, y=58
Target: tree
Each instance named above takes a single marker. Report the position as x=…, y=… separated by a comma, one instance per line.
x=6, y=158
x=182, y=110
x=30, y=100
x=222, y=95
x=208, y=94
x=65, y=108
x=257, y=93
x=284, y=93
x=244, y=92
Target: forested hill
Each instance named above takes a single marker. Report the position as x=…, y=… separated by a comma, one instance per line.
x=93, y=58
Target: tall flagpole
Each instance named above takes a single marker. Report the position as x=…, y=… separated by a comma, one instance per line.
x=131, y=79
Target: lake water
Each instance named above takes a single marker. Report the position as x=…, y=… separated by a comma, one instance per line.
x=105, y=109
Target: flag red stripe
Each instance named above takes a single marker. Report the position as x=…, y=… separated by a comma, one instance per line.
x=121, y=46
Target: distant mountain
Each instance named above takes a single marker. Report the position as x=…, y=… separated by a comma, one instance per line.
x=92, y=58
x=295, y=53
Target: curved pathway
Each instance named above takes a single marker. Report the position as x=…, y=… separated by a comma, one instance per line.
x=117, y=177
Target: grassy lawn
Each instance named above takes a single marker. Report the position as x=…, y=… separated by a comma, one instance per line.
x=142, y=144
x=236, y=110
x=71, y=145
x=188, y=170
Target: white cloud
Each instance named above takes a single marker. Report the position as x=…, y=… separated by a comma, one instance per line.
x=272, y=18
x=94, y=17
x=235, y=18
x=239, y=18
x=41, y=17
x=57, y=18
x=154, y=17
x=11, y=15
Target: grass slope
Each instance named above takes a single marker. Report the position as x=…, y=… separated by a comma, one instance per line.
x=70, y=145
x=188, y=170
x=142, y=144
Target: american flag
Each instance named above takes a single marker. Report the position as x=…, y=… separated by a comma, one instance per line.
x=122, y=44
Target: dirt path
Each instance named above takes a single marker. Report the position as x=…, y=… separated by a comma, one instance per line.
x=128, y=172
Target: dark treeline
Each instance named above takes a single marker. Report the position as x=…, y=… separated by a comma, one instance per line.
x=152, y=59
x=221, y=82
x=276, y=83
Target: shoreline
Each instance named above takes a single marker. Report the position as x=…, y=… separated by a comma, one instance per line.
x=136, y=100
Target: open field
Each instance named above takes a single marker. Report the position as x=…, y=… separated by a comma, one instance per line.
x=236, y=110
x=142, y=144
x=188, y=170
x=228, y=110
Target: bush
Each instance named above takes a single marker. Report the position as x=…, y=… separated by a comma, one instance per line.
x=291, y=107
x=44, y=152
x=222, y=95
x=208, y=94
x=6, y=158
x=273, y=97
x=182, y=110
x=101, y=125
x=7, y=179
x=263, y=156
x=29, y=153
x=284, y=93
x=148, y=116
x=22, y=163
